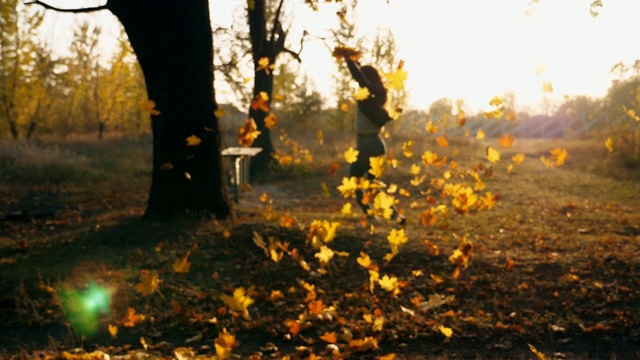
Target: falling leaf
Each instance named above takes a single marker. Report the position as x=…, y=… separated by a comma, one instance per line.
x=347, y=210
x=538, y=353
x=510, y=116
x=148, y=282
x=377, y=165
x=364, y=260
x=224, y=345
x=442, y=141
x=320, y=137
x=166, y=166
x=518, y=158
x=182, y=265
x=316, y=307
x=506, y=140
x=351, y=155
x=390, y=284
x=131, y=318
x=609, y=144
x=361, y=94
x=462, y=255
x=493, y=155
x=264, y=64
x=395, y=80
x=437, y=278
x=149, y=106
x=344, y=107
x=406, y=149
x=631, y=113
x=218, y=113
x=240, y=301
x=324, y=255
x=430, y=128
x=113, y=330
x=446, y=331
x=480, y=134
x=496, y=101
x=193, y=140
x=558, y=157
x=348, y=187
x=329, y=337
x=270, y=121
x=248, y=133
x=547, y=87
x=260, y=102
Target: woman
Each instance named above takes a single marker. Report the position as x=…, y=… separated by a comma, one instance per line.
x=371, y=116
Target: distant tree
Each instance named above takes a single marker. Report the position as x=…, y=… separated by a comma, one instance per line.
x=17, y=49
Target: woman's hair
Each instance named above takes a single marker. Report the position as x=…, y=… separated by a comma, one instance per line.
x=372, y=75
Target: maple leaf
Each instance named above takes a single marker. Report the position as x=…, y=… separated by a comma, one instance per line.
x=148, y=282
x=518, y=158
x=224, y=344
x=377, y=166
x=480, y=134
x=383, y=205
x=329, y=337
x=321, y=232
x=193, y=140
x=397, y=238
x=316, y=307
x=182, y=265
x=430, y=128
x=488, y=200
x=445, y=331
x=248, y=133
x=429, y=158
x=347, y=210
x=264, y=64
x=390, y=284
x=149, y=106
x=348, y=187
x=324, y=255
x=496, y=101
x=361, y=94
x=442, y=141
x=395, y=80
x=609, y=144
x=493, y=155
x=547, y=87
x=558, y=157
x=362, y=345
x=462, y=255
x=506, y=140
x=270, y=121
x=240, y=301
x=406, y=149
x=131, y=318
x=261, y=102
x=344, y=107
x=351, y=155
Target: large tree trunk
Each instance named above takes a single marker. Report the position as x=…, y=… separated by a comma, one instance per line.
x=173, y=42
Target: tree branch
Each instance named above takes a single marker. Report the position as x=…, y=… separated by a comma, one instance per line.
x=78, y=10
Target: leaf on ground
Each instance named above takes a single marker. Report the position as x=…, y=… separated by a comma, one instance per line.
x=149, y=282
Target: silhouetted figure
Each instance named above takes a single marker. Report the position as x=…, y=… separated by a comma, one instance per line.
x=371, y=116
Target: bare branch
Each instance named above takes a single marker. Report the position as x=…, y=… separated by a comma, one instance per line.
x=78, y=10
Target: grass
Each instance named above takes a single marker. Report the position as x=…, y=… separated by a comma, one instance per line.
x=554, y=264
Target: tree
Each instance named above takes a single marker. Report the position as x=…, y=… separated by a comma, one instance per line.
x=174, y=46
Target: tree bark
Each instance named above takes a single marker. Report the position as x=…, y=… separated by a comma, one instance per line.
x=173, y=43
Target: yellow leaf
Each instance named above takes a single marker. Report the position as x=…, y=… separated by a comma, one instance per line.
x=348, y=187
x=218, y=113
x=558, y=157
x=344, y=107
x=488, y=200
x=377, y=166
x=113, y=330
x=415, y=169
x=437, y=278
x=374, y=276
x=406, y=149
x=518, y=158
x=182, y=265
x=324, y=255
x=609, y=144
x=148, y=282
x=224, y=345
x=330, y=337
x=320, y=137
x=397, y=237
x=390, y=284
x=547, y=87
x=383, y=205
x=149, y=106
x=631, y=113
x=446, y=331
x=492, y=155
x=395, y=80
x=240, y=301
x=264, y=64
x=351, y=155
x=496, y=101
x=431, y=128
x=193, y=140
x=270, y=121
x=378, y=324
x=347, y=210
x=248, y=133
x=480, y=134
x=429, y=158
x=538, y=353
x=506, y=140
x=361, y=94
x=364, y=260
x=462, y=255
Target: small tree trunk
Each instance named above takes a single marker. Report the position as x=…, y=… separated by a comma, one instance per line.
x=173, y=43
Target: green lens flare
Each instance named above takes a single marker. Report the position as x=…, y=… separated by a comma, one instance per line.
x=84, y=307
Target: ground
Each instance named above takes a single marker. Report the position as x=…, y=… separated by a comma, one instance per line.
x=553, y=266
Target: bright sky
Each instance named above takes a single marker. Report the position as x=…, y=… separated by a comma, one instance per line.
x=471, y=49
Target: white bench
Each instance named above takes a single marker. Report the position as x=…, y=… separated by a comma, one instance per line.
x=241, y=158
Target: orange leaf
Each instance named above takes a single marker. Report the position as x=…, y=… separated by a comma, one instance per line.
x=506, y=140
x=329, y=337
x=442, y=141
x=316, y=307
x=148, y=282
x=131, y=318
